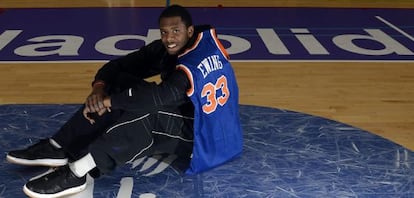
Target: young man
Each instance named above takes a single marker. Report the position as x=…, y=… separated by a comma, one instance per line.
x=193, y=112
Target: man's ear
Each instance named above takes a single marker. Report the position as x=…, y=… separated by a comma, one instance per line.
x=190, y=31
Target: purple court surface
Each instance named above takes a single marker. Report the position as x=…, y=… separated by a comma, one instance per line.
x=286, y=153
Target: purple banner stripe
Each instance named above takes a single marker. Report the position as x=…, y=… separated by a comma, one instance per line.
x=247, y=33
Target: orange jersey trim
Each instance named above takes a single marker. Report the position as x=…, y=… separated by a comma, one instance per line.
x=218, y=43
x=199, y=37
x=187, y=71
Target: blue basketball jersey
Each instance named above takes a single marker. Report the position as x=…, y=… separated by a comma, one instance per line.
x=214, y=92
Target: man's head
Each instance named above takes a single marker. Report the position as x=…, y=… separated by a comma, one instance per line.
x=176, y=28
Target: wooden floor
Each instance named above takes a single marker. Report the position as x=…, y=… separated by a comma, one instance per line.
x=376, y=97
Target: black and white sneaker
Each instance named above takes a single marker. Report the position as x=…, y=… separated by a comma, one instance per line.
x=60, y=182
x=42, y=153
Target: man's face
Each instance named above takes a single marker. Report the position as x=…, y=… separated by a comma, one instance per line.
x=174, y=34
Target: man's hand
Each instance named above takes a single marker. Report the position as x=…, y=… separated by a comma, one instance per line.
x=86, y=114
x=96, y=102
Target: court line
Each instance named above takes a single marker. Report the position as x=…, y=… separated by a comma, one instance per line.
x=261, y=61
x=126, y=188
x=395, y=28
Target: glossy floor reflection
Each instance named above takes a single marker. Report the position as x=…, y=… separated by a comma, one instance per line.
x=286, y=154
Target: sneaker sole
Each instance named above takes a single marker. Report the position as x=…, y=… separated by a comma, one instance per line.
x=66, y=192
x=38, y=162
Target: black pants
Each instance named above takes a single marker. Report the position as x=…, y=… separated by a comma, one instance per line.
x=118, y=137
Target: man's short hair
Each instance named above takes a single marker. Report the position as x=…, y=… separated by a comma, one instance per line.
x=177, y=10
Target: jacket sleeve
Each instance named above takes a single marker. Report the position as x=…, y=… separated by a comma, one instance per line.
x=171, y=91
x=142, y=63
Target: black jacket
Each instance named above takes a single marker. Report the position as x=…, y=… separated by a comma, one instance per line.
x=148, y=61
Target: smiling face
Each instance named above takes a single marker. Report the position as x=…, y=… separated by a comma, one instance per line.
x=174, y=34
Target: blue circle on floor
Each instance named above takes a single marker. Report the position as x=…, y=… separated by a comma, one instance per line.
x=286, y=154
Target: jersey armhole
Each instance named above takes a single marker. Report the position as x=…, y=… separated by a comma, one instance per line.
x=219, y=44
x=189, y=75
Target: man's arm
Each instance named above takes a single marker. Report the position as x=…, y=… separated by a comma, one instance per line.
x=142, y=63
x=171, y=91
